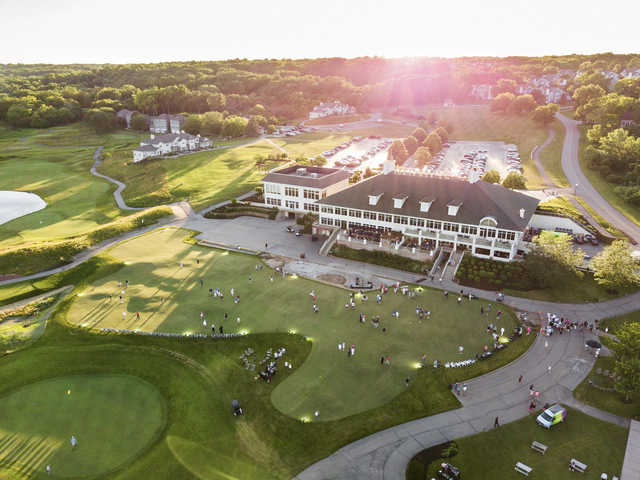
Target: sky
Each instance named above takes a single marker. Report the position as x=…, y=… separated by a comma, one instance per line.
x=143, y=31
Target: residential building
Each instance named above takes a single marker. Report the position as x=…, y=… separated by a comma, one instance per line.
x=554, y=95
x=331, y=108
x=166, y=123
x=169, y=143
x=486, y=219
x=627, y=120
x=295, y=189
x=482, y=91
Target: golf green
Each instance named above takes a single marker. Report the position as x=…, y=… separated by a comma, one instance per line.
x=164, y=274
x=113, y=418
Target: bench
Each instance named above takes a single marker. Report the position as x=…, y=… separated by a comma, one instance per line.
x=539, y=447
x=577, y=466
x=523, y=469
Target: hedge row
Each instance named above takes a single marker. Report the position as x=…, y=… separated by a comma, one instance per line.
x=493, y=275
x=36, y=257
x=383, y=259
x=238, y=210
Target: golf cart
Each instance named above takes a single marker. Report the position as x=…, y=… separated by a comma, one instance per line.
x=551, y=416
x=236, y=408
x=291, y=229
x=448, y=472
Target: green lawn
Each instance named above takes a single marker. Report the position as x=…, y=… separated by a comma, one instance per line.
x=610, y=401
x=614, y=323
x=77, y=202
x=21, y=325
x=169, y=299
x=493, y=454
x=479, y=123
x=202, y=178
x=602, y=186
x=572, y=290
x=114, y=418
x=551, y=156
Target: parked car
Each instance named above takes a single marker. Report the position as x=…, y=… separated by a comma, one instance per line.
x=552, y=416
x=299, y=233
x=290, y=229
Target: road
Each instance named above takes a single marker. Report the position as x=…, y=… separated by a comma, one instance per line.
x=573, y=172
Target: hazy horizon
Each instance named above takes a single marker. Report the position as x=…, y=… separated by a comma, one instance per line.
x=73, y=31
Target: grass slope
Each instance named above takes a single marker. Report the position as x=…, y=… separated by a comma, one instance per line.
x=169, y=298
x=493, y=454
x=54, y=164
x=202, y=178
x=551, y=156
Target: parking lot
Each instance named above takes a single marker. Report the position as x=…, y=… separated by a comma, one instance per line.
x=488, y=156
x=367, y=152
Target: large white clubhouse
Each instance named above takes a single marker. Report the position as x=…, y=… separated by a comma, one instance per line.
x=160, y=145
x=485, y=219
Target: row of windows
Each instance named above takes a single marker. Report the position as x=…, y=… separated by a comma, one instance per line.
x=291, y=204
x=290, y=191
x=311, y=207
x=274, y=201
x=311, y=194
x=421, y=222
x=271, y=188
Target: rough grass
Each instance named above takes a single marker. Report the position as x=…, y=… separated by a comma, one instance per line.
x=614, y=323
x=610, y=401
x=551, y=156
x=36, y=257
x=333, y=119
x=203, y=178
x=494, y=453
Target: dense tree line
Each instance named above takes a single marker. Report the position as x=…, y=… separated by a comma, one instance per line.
x=45, y=95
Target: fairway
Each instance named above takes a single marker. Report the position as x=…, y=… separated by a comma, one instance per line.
x=113, y=417
x=169, y=298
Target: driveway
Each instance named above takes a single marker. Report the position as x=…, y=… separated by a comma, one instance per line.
x=573, y=172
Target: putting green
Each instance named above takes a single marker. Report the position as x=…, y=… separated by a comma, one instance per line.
x=113, y=418
x=170, y=298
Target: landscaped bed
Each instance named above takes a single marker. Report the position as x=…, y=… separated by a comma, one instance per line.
x=235, y=210
x=383, y=259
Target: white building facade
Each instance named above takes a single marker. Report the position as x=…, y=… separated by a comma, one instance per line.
x=331, y=108
x=296, y=189
x=160, y=145
x=487, y=220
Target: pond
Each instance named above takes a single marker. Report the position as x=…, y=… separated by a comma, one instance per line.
x=18, y=204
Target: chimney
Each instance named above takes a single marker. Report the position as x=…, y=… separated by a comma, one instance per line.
x=522, y=213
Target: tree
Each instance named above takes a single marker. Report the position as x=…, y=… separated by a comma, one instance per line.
x=319, y=161
x=254, y=129
x=19, y=114
x=419, y=134
x=433, y=142
x=101, y=121
x=234, y=126
x=506, y=85
x=582, y=95
x=545, y=114
x=356, y=177
x=619, y=149
x=443, y=134
x=627, y=359
x=398, y=152
x=538, y=96
x=368, y=173
x=502, y=102
x=193, y=124
x=211, y=123
x=629, y=87
x=492, y=176
x=514, y=181
x=552, y=258
x=614, y=267
x=523, y=104
x=422, y=156
x=411, y=144
x=139, y=122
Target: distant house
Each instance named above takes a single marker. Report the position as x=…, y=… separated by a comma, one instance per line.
x=448, y=103
x=326, y=109
x=125, y=115
x=627, y=120
x=554, y=95
x=169, y=143
x=482, y=91
x=165, y=123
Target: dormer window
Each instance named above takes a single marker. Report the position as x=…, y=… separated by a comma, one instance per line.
x=453, y=207
x=398, y=200
x=374, y=198
x=425, y=204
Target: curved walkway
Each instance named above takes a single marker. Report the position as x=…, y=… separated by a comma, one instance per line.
x=121, y=186
x=386, y=454
x=575, y=176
